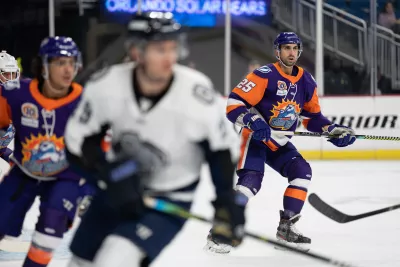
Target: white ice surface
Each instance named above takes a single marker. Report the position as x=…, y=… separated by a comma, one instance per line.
x=350, y=186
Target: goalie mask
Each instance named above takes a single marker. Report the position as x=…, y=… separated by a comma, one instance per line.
x=9, y=71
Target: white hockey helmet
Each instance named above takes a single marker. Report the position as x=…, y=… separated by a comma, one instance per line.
x=9, y=70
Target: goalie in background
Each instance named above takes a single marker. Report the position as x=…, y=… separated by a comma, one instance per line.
x=9, y=80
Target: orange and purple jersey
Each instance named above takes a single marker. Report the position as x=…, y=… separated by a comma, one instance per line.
x=39, y=128
x=280, y=99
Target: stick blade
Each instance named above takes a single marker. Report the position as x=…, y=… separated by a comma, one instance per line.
x=327, y=210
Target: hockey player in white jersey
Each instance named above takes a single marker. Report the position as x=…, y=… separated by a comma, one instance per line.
x=166, y=121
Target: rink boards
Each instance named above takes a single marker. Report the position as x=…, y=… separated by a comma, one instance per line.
x=367, y=115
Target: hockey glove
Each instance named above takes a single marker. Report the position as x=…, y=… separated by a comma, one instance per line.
x=6, y=136
x=229, y=220
x=341, y=135
x=5, y=154
x=261, y=130
x=122, y=182
x=135, y=160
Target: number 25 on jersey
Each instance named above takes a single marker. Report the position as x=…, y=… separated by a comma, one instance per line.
x=246, y=85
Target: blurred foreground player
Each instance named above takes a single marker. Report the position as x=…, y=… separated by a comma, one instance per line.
x=9, y=79
x=273, y=98
x=40, y=109
x=172, y=115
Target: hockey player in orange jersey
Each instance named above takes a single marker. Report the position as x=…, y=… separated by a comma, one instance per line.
x=270, y=99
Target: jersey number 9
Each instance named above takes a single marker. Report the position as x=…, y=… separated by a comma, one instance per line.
x=86, y=113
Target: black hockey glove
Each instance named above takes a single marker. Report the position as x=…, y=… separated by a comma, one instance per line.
x=229, y=220
x=122, y=182
x=134, y=161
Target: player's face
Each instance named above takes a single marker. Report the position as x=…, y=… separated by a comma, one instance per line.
x=7, y=76
x=160, y=57
x=289, y=54
x=61, y=71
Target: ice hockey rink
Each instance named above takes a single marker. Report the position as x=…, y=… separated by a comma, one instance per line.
x=350, y=186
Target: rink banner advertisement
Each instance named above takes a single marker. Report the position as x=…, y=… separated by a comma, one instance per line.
x=194, y=13
x=366, y=115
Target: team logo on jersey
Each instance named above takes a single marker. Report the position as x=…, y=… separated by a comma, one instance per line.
x=43, y=155
x=282, y=88
x=30, y=115
x=204, y=94
x=285, y=114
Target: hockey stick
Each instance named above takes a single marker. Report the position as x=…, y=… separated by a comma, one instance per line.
x=172, y=209
x=339, y=216
x=358, y=136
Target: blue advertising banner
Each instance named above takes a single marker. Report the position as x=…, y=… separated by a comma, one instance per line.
x=194, y=13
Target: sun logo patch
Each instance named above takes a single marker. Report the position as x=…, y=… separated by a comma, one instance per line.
x=285, y=114
x=43, y=155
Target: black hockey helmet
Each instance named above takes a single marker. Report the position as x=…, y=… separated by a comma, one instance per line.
x=154, y=26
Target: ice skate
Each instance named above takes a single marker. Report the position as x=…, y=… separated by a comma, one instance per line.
x=215, y=247
x=289, y=235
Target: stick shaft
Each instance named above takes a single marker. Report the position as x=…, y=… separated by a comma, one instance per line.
x=172, y=209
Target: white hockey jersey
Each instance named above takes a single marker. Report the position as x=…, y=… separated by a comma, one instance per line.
x=190, y=112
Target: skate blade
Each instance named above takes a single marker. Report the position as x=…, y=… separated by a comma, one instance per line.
x=217, y=249
x=304, y=247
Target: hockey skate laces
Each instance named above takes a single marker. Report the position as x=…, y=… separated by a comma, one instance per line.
x=293, y=226
x=295, y=230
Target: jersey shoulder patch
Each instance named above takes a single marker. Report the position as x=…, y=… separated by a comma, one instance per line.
x=202, y=90
x=203, y=93
x=263, y=71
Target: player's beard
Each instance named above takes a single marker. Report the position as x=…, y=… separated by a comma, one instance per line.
x=290, y=63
